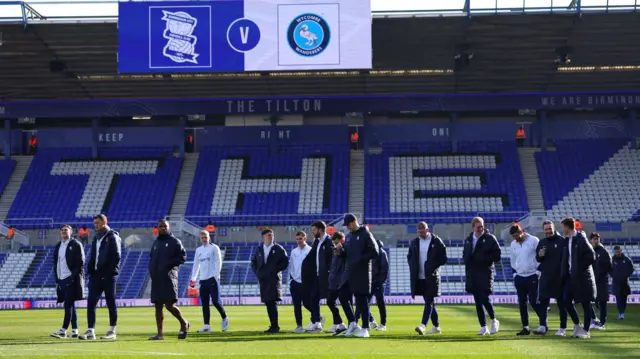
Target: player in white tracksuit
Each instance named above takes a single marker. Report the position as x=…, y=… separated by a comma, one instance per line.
x=207, y=264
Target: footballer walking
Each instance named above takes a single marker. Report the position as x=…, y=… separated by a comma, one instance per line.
x=427, y=253
x=206, y=266
x=103, y=269
x=68, y=269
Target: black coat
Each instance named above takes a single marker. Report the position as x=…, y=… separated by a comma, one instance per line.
x=602, y=269
x=75, y=261
x=380, y=270
x=479, y=263
x=338, y=272
x=167, y=254
x=360, y=249
x=270, y=273
x=309, y=269
x=550, y=285
x=436, y=257
x=583, y=283
x=109, y=258
x=622, y=269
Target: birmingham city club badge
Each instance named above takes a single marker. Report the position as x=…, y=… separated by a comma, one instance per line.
x=179, y=31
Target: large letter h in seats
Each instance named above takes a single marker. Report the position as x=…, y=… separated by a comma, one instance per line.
x=230, y=184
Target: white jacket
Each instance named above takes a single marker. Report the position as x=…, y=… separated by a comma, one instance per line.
x=207, y=262
x=523, y=256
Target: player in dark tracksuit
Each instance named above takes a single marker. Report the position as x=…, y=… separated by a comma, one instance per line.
x=427, y=253
x=622, y=269
x=166, y=256
x=315, y=277
x=481, y=251
x=379, y=275
x=577, y=274
x=103, y=270
x=339, y=285
x=602, y=268
x=549, y=254
x=268, y=261
x=360, y=249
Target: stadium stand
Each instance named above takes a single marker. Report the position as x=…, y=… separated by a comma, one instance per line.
x=425, y=181
x=255, y=185
x=6, y=168
x=132, y=186
x=591, y=180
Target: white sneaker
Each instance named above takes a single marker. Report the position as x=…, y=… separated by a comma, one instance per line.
x=225, y=324
x=420, y=329
x=542, y=330
x=576, y=330
x=561, y=332
x=317, y=328
x=353, y=328
x=310, y=327
x=592, y=326
x=435, y=330
x=88, y=335
x=621, y=317
x=298, y=330
x=381, y=328
x=205, y=329
x=110, y=335
x=600, y=327
x=332, y=329
x=74, y=334
x=583, y=334
x=60, y=334
x=495, y=326
x=373, y=324
x=483, y=331
x=362, y=333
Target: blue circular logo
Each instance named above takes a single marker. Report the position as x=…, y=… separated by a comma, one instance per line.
x=308, y=35
x=243, y=35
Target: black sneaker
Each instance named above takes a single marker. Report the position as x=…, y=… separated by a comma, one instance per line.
x=272, y=330
x=339, y=331
x=524, y=331
x=184, y=334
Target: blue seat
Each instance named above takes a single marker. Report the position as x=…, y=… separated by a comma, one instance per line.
x=269, y=208
x=133, y=200
x=558, y=178
x=505, y=182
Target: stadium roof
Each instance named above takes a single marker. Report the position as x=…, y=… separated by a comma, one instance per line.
x=78, y=59
x=107, y=10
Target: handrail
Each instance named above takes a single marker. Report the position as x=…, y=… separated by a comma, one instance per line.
x=18, y=236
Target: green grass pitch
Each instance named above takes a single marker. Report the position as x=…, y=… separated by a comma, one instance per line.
x=26, y=334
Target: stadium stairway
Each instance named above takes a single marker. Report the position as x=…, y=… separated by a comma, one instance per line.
x=531, y=178
x=183, y=190
x=15, y=181
x=356, y=182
